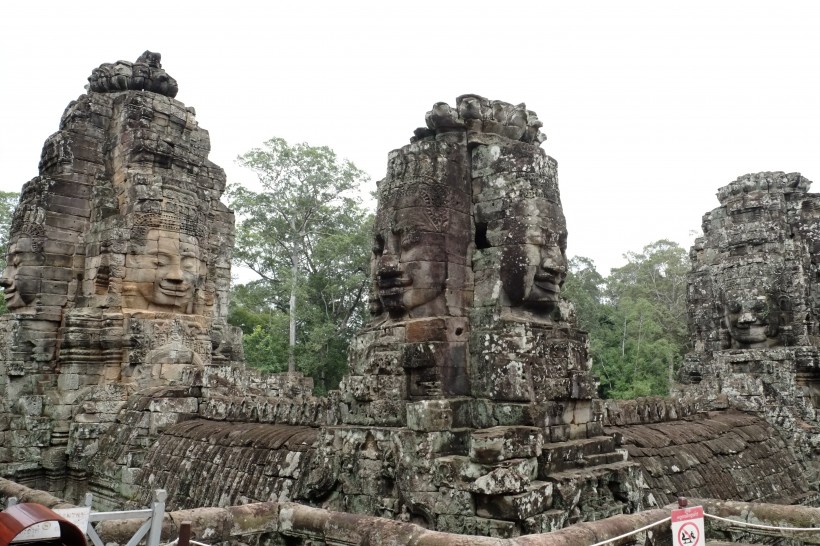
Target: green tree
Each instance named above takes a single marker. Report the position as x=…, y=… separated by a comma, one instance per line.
x=255, y=309
x=636, y=318
x=306, y=235
x=658, y=275
x=646, y=332
x=584, y=287
x=8, y=202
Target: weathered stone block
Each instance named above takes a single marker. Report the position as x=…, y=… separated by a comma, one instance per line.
x=66, y=382
x=546, y=522
x=455, y=471
x=502, y=443
x=158, y=422
x=505, y=156
x=30, y=405
x=444, y=501
x=535, y=500
x=174, y=405
x=511, y=476
x=559, y=433
x=429, y=415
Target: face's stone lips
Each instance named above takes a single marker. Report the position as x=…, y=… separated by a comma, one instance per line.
x=10, y=295
x=547, y=283
x=175, y=292
x=391, y=292
x=387, y=283
x=547, y=286
x=750, y=333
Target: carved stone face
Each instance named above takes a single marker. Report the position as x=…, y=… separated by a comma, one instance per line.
x=533, y=272
x=751, y=320
x=409, y=267
x=21, y=278
x=166, y=274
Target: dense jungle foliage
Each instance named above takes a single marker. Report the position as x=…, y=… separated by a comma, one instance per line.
x=636, y=318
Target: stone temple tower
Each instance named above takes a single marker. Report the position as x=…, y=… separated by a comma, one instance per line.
x=754, y=304
x=471, y=381
x=119, y=269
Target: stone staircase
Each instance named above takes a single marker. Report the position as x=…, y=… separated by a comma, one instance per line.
x=522, y=485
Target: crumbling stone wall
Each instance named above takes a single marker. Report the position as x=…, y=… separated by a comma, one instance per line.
x=238, y=431
x=719, y=455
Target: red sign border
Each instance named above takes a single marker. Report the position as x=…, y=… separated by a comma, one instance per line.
x=686, y=514
x=682, y=527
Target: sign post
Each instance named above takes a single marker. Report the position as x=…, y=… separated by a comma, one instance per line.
x=687, y=527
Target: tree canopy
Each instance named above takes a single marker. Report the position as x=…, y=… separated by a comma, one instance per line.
x=8, y=202
x=636, y=318
x=306, y=234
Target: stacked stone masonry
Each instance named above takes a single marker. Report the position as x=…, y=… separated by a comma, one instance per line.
x=726, y=454
x=469, y=406
x=753, y=306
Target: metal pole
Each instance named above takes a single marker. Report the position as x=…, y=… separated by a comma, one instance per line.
x=157, y=515
x=184, y=534
x=87, y=502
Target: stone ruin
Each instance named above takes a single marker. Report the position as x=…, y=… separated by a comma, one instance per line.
x=118, y=272
x=471, y=384
x=754, y=305
x=469, y=406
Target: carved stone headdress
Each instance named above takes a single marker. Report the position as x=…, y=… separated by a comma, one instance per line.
x=187, y=223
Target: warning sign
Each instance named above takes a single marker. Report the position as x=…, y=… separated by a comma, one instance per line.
x=687, y=527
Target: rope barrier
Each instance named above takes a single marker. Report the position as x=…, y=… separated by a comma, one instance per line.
x=644, y=528
x=768, y=527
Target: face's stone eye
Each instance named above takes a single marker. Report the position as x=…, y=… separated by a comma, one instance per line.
x=378, y=245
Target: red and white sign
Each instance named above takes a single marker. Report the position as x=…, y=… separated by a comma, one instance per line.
x=687, y=527
x=51, y=529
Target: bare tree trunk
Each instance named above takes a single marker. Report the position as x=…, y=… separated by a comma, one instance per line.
x=294, y=271
x=623, y=340
x=637, y=350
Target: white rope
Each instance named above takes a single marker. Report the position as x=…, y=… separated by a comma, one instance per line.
x=644, y=528
x=756, y=526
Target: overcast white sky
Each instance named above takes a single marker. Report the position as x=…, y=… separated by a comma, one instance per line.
x=649, y=107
